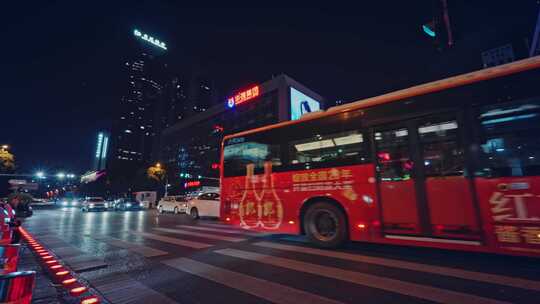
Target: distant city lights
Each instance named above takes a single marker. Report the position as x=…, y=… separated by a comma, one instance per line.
x=150, y=39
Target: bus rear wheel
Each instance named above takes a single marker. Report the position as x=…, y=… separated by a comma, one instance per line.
x=325, y=225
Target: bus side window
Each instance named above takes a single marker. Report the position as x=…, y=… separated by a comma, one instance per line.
x=443, y=155
x=254, y=149
x=328, y=150
x=510, y=141
x=393, y=155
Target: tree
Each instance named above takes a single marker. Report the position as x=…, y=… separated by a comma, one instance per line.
x=156, y=172
x=7, y=161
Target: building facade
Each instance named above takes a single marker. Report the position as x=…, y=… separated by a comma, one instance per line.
x=138, y=115
x=156, y=95
x=190, y=149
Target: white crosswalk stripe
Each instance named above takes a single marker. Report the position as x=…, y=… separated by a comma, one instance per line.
x=171, y=240
x=200, y=234
x=446, y=271
x=263, y=289
x=224, y=226
x=402, y=287
x=221, y=230
x=140, y=249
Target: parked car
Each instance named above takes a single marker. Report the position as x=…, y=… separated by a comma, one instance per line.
x=94, y=204
x=176, y=204
x=126, y=204
x=206, y=204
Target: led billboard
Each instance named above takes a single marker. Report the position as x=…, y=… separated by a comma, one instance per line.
x=302, y=104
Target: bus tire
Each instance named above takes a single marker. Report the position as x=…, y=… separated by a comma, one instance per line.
x=325, y=225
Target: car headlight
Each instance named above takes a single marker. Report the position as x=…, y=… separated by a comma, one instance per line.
x=106, y=205
x=128, y=205
x=91, y=205
x=64, y=203
x=184, y=205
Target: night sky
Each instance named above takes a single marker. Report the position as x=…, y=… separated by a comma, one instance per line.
x=61, y=63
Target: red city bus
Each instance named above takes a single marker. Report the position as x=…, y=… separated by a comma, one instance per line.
x=450, y=164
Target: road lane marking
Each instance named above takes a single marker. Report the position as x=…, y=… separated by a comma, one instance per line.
x=170, y=240
x=439, y=270
x=140, y=249
x=199, y=234
x=221, y=230
x=264, y=289
x=402, y=287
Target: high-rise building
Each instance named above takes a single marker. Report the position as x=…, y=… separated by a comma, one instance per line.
x=156, y=95
x=138, y=118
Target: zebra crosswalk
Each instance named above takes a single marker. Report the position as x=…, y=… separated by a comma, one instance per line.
x=392, y=285
x=447, y=271
x=273, y=270
x=199, y=234
x=270, y=291
x=173, y=240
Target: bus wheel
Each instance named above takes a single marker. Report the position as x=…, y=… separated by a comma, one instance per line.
x=325, y=225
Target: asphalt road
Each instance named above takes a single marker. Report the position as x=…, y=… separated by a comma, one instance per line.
x=143, y=257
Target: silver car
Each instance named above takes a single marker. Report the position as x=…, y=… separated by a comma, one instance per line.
x=94, y=204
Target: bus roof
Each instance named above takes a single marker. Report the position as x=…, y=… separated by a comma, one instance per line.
x=422, y=89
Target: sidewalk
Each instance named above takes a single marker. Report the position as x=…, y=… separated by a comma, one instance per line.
x=44, y=291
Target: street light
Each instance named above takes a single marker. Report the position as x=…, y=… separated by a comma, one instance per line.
x=158, y=165
x=40, y=174
x=5, y=147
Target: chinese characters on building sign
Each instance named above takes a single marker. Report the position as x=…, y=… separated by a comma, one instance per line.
x=243, y=96
x=150, y=39
x=192, y=184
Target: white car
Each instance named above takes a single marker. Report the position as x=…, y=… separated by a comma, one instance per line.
x=176, y=204
x=93, y=204
x=206, y=204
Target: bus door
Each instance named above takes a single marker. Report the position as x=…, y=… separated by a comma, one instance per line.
x=395, y=179
x=449, y=194
x=422, y=184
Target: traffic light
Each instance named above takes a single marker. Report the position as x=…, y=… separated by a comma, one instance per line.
x=439, y=27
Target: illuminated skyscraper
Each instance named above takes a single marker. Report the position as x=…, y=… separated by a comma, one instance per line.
x=155, y=96
x=102, y=149
x=135, y=127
